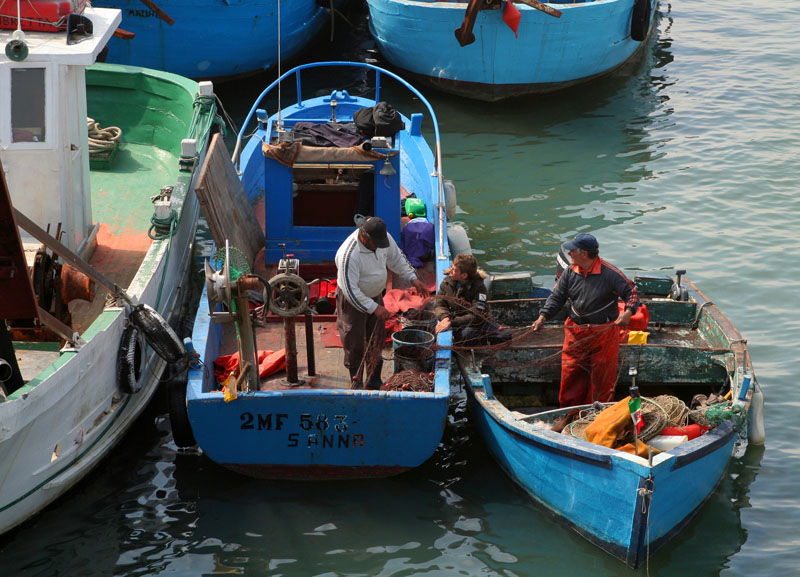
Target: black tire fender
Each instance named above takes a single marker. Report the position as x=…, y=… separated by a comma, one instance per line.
x=129, y=361
x=178, y=415
x=157, y=332
x=640, y=19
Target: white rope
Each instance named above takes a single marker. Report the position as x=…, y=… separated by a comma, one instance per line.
x=102, y=139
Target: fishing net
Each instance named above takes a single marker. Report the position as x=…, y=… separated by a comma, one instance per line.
x=655, y=418
x=409, y=380
x=713, y=415
x=239, y=264
x=577, y=427
x=676, y=410
x=653, y=414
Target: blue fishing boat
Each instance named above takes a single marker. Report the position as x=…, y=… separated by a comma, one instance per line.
x=495, y=49
x=694, y=365
x=212, y=39
x=307, y=421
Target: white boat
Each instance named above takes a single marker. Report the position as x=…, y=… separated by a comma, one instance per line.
x=77, y=225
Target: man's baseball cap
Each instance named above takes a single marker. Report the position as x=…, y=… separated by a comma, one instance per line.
x=582, y=241
x=375, y=229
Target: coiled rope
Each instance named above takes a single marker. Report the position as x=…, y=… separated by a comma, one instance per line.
x=102, y=140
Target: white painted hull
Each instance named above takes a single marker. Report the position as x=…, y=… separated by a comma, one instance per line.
x=78, y=411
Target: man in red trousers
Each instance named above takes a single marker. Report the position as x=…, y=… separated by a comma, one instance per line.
x=591, y=287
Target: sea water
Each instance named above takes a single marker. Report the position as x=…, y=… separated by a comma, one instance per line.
x=686, y=159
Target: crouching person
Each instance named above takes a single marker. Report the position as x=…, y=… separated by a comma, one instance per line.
x=461, y=305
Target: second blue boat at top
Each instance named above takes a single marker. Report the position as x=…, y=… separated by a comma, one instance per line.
x=494, y=49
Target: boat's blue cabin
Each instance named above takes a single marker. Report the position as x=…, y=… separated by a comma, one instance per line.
x=311, y=194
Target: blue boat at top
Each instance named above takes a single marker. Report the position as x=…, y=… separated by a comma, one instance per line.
x=626, y=504
x=213, y=39
x=471, y=48
x=307, y=422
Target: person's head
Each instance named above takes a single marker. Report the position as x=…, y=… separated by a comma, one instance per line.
x=415, y=207
x=372, y=233
x=464, y=267
x=582, y=249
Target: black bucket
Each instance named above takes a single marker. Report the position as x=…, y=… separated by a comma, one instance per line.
x=415, y=337
x=418, y=319
x=414, y=358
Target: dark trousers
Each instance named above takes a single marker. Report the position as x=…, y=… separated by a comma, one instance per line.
x=356, y=329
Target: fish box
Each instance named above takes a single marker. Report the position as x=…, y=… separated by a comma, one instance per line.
x=655, y=285
x=510, y=286
x=39, y=15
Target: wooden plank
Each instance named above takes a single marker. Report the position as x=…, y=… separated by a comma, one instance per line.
x=225, y=204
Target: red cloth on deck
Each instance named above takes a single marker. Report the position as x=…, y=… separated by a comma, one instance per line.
x=269, y=363
x=400, y=300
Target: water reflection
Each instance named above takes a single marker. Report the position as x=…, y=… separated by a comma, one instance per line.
x=152, y=511
x=519, y=191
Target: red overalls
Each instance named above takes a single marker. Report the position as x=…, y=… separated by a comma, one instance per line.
x=589, y=359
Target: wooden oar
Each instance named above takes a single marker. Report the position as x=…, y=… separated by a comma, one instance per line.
x=159, y=12
x=541, y=6
x=124, y=34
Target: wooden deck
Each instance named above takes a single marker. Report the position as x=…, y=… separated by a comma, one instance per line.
x=330, y=371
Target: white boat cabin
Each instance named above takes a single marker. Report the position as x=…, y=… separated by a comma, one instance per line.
x=43, y=135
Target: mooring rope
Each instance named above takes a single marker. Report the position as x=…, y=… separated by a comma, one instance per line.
x=102, y=140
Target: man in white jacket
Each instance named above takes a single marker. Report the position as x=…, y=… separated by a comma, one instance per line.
x=362, y=261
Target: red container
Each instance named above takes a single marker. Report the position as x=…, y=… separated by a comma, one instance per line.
x=39, y=15
x=692, y=431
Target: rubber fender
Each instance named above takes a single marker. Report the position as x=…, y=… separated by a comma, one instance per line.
x=157, y=332
x=450, y=200
x=640, y=19
x=756, y=434
x=458, y=240
x=178, y=415
x=129, y=361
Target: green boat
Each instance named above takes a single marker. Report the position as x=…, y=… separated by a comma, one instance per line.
x=97, y=220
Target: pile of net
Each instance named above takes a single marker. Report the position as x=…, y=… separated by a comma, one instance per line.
x=409, y=380
x=657, y=413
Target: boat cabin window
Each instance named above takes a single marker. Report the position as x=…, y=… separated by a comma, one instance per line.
x=330, y=196
x=28, y=105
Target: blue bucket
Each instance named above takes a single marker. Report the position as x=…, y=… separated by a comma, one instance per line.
x=412, y=337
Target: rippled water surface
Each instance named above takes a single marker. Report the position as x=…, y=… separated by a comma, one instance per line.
x=685, y=159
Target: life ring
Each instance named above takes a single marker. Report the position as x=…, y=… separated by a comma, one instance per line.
x=458, y=240
x=450, y=201
x=640, y=19
x=157, y=332
x=129, y=361
x=178, y=415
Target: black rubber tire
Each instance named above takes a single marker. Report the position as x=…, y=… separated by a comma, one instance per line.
x=640, y=20
x=129, y=361
x=157, y=332
x=178, y=415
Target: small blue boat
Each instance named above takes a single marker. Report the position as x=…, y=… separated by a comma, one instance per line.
x=626, y=504
x=467, y=48
x=307, y=422
x=213, y=39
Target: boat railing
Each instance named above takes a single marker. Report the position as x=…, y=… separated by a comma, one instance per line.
x=378, y=72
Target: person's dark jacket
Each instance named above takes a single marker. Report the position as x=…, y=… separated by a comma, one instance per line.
x=468, y=311
x=591, y=298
